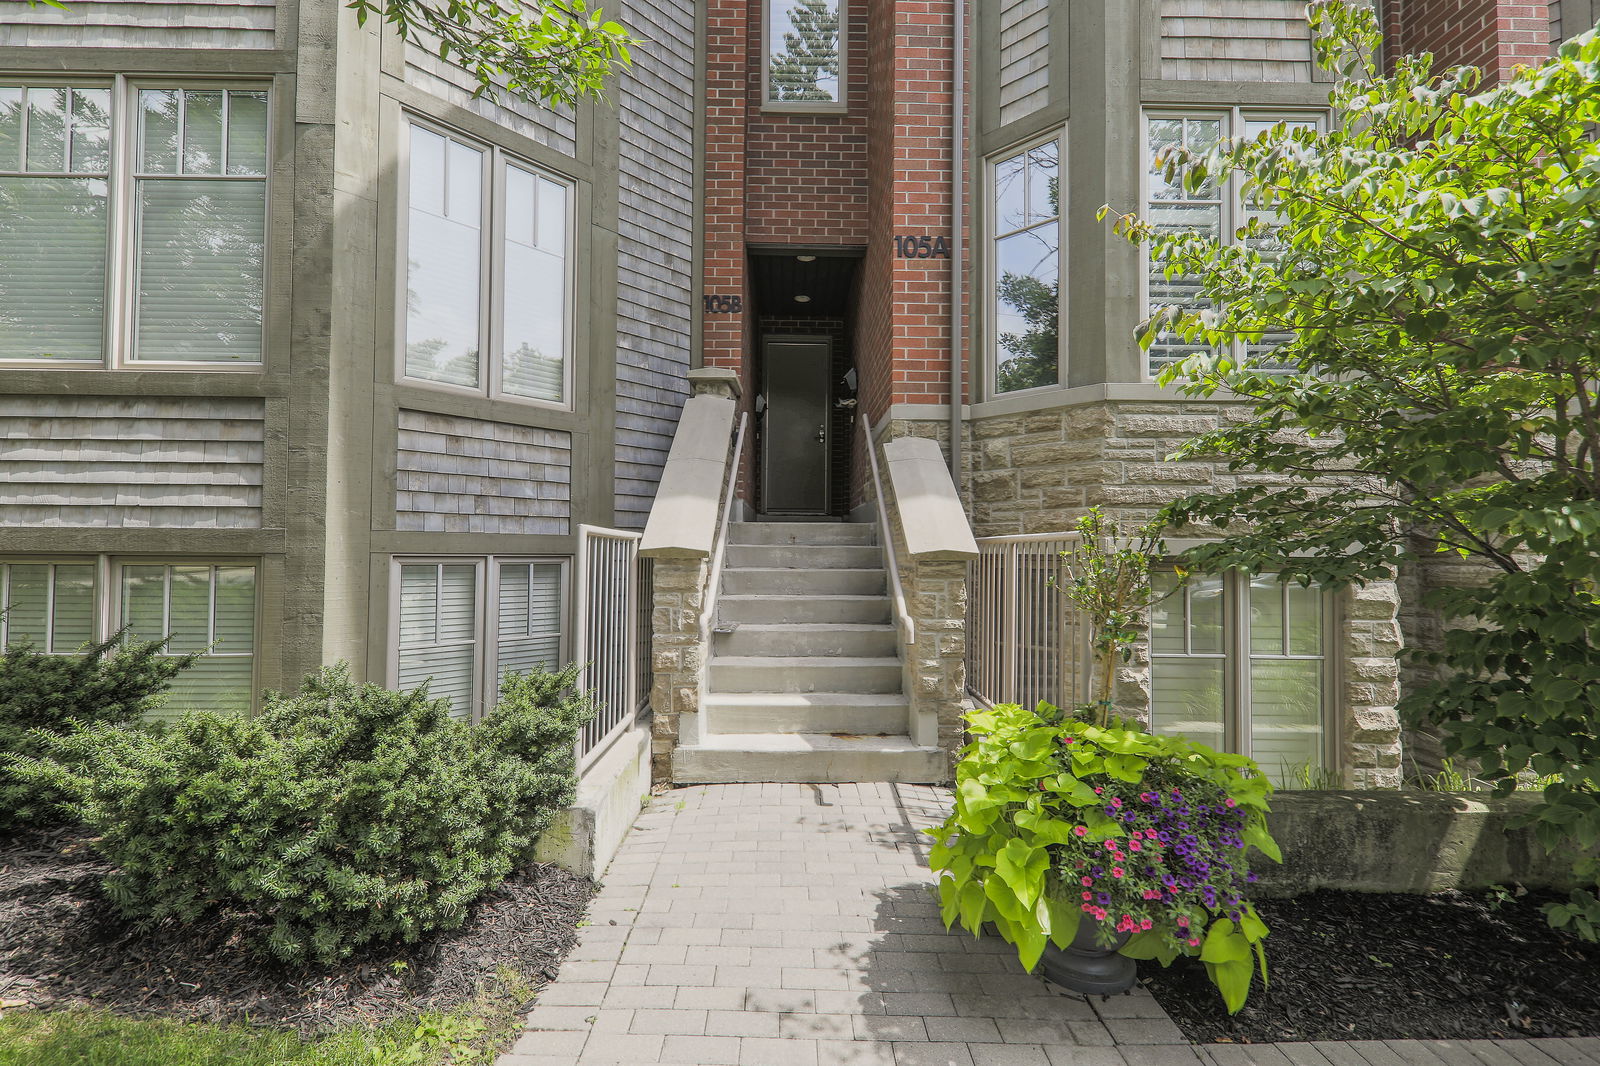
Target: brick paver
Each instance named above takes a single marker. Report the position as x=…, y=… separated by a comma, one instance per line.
x=769, y=925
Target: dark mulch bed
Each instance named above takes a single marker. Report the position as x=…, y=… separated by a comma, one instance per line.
x=62, y=945
x=1349, y=966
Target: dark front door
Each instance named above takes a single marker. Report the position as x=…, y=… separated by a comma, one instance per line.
x=794, y=458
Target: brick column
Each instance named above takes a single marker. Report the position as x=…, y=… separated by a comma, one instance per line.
x=903, y=337
x=1496, y=36
x=728, y=36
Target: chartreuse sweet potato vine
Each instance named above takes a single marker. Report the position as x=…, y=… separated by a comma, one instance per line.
x=1058, y=820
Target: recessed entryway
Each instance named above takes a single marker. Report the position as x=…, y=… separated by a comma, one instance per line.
x=804, y=383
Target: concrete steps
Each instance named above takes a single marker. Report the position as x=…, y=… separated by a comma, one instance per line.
x=804, y=610
x=787, y=581
x=863, y=714
x=735, y=757
x=804, y=673
x=804, y=680
x=810, y=639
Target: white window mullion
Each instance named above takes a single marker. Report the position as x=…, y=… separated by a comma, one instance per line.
x=493, y=323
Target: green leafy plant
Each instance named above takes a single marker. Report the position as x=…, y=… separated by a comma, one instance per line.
x=547, y=52
x=44, y=698
x=1106, y=576
x=543, y=51
x=344, y=814
x=1058, y=820
x=1429, y=265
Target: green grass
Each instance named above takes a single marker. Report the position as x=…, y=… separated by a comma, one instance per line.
x=469, y=1036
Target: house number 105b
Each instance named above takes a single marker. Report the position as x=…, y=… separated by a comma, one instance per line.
x=724, y=305
x=907, y=247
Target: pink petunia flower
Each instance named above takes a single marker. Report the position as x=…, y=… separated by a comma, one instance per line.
x=1080, y=831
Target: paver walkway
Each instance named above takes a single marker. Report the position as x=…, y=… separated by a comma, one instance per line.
x=791, y=925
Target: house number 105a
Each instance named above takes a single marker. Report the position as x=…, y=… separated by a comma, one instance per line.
x=907, y=247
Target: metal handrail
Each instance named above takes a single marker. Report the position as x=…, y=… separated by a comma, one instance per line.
x=709, y=610
x=886, y=533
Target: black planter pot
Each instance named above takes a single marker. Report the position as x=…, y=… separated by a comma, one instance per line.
x=1087, y=967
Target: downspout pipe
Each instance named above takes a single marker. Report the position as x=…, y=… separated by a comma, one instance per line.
x=958, y=156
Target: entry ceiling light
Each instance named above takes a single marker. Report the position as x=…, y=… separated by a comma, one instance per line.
x=802, y=299
x=806, y=258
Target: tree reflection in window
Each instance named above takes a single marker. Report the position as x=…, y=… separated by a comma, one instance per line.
x=806, y=69
x=1027, y=251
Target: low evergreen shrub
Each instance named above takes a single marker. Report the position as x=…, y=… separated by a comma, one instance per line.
x=343, y=815
x=46, y=697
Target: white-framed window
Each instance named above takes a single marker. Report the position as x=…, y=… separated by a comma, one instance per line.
x=1240, y=663
x=132, y=223
x=49, y=605
x=1217, y=209
x=488, y=271
x=204, y=608
x=804, y=68
x=461, y=623
x=1025, y=266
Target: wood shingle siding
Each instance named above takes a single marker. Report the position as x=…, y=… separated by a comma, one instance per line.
x=655, y=247
x=1024, y=58
x=140, y=24
x=467, y=475
x=1235, y=40
x=553, y=127
x=128, y=463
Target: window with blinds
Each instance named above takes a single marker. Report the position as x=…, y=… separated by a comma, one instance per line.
x=528, y=618
x=461, y=624
x=190, y=197
x=488, y=278
x=198, y=608
x=1239, y=663
x=1216, y=209
x=50, y=606
x=55, y=159
x=438, y=633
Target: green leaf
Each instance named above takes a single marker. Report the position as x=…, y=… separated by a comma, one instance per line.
x=1256, y=835
x=1022, y=867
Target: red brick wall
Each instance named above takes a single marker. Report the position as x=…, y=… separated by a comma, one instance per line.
x=807, y=173
x=903, y=344
x=880, y=168
x=726, y=336
x=1493, y=35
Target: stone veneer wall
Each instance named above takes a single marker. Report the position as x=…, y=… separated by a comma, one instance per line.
x=1037, y=472
x=677, y=656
